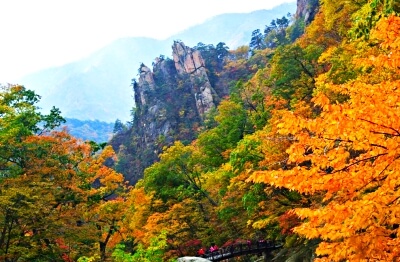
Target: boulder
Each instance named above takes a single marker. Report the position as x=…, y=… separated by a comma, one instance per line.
x=192, y=259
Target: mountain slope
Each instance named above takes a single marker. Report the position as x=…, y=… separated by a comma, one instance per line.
x=99, y=86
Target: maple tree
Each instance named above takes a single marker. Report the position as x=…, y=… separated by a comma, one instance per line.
x=31, y=203
x=19, y=119
x=57, y=197
x=261, y=205
x=106, y=206
x=56, y=205
x=140, y=206
x=348, y=155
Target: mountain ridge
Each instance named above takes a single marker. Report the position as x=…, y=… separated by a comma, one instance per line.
x=98, y=87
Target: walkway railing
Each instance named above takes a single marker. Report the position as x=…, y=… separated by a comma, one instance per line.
x=240, y=249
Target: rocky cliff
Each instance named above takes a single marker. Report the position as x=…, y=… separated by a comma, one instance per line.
x=171, y=103
x=189, y=62
x=173, y=98
x=307, y=9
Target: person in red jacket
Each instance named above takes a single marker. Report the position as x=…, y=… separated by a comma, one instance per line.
x=201, y=252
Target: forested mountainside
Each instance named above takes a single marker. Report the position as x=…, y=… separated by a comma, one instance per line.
x=292, y=140
x=177, y=99
x=172, y=103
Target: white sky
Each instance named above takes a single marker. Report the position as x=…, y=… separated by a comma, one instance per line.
x=37, y=34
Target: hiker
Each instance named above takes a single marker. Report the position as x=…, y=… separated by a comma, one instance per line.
x=201, y=252
x=213, y=247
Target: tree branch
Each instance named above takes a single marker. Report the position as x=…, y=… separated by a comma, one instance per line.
x=358, y=161
x=350, y=141
x=388, y=127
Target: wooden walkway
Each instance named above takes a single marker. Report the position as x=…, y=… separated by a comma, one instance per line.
x=242, y=249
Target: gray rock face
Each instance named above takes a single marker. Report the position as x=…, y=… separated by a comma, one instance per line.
x=159, y=94
x=189, y=61
x=186, y=59
x=152, y=120
x=146, y=82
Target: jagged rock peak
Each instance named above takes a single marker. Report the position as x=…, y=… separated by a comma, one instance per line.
x=187, y=60
x=146, y=77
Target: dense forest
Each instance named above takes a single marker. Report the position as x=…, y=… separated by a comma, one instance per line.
x=302, y=149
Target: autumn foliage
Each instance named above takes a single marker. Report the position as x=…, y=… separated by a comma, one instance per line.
x=314, y=154
x=304, y=150
x=349, y=155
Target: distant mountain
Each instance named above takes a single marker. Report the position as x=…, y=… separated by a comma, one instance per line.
x=99, y=86
x=89, y=130
x=233, y=29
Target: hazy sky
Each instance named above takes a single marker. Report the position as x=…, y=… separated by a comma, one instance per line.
x=36, y=34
